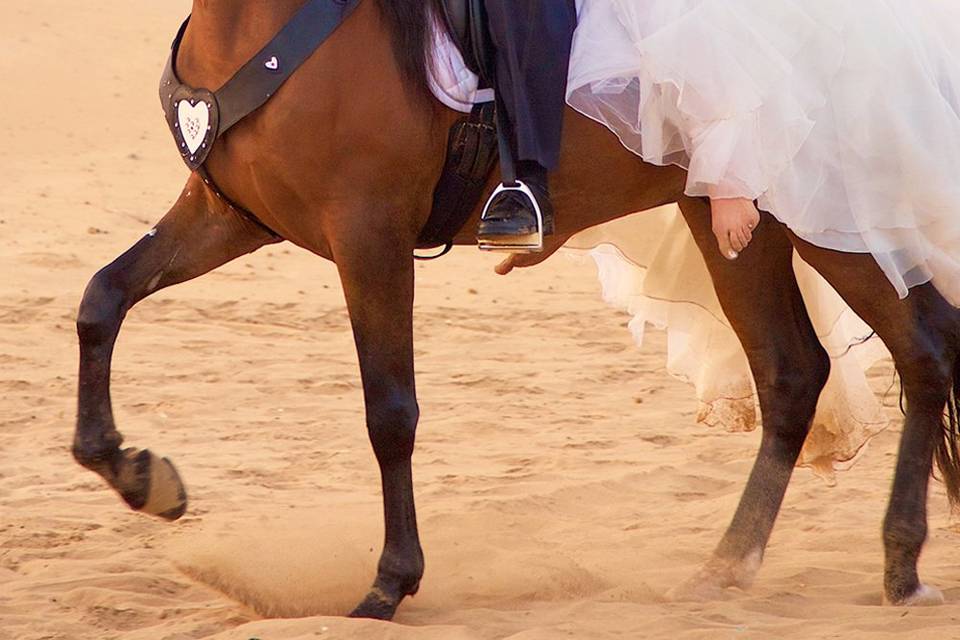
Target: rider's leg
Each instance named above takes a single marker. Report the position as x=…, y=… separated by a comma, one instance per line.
x=532, y=40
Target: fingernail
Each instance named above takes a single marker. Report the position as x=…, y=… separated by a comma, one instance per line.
x=733, y=255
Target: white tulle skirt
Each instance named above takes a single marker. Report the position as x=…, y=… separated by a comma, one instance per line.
x=841, y=117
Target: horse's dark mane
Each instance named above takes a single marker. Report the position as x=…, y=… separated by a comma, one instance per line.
x=409, y=22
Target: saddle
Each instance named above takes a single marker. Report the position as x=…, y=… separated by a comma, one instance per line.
x=466, y=21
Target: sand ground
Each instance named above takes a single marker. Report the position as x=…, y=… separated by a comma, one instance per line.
x=562, y=484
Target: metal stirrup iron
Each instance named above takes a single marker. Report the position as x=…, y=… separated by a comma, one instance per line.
x=530, y=243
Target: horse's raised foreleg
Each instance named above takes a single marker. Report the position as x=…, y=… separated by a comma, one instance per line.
x=198, y=234
x=760, y=297
x=921, y=332
x=376, y=269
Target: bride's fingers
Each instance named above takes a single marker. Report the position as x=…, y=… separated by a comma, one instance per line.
x=506, y=266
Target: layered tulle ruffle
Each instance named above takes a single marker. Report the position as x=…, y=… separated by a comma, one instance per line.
x=841, y=118
x=650, y=266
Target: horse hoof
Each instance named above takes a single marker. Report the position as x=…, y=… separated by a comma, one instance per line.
x=149, y=484
x=714, y=580
x=376, y=606
x=924, y=596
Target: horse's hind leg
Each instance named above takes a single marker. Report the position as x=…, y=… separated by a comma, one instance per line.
x=921, y=332
x=198, y=234
x=760, y=297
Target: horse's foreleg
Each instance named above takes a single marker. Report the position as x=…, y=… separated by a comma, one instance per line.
x=921, y=332
x=760, y=298
x=376, y=270
x=198, y=234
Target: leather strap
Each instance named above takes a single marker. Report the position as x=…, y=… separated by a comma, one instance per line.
x=243, y=213
x=252, y=85
x=257, y=80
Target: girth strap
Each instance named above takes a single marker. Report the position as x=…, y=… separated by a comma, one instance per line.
x=243, y=213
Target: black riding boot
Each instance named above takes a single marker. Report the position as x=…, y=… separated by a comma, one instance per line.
x=511, y=214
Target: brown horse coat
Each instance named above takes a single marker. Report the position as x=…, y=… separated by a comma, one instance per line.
x=342, y=161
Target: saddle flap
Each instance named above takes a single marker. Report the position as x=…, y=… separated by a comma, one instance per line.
x=471, y=157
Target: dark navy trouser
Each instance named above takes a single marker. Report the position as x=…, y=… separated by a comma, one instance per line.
x=533, y=40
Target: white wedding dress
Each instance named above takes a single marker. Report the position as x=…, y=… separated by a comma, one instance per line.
x=841, y=117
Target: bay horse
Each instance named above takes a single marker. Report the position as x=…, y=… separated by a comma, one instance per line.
x=342, y=162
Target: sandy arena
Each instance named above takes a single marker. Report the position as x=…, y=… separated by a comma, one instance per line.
x=563, y=485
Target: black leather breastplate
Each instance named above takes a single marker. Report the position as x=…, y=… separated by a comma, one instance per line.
x=197, y=117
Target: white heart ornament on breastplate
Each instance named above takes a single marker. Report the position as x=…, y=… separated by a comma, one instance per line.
x=194, y=120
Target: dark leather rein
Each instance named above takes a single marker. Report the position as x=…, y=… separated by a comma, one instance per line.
x=199, y=117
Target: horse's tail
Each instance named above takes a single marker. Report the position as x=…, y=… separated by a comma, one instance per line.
x=948, y=449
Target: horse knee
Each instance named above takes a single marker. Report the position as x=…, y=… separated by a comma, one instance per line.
x=101, y=310
x=789, y=388
x=392, y=426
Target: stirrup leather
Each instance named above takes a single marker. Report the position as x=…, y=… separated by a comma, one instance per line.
x=530, y=243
